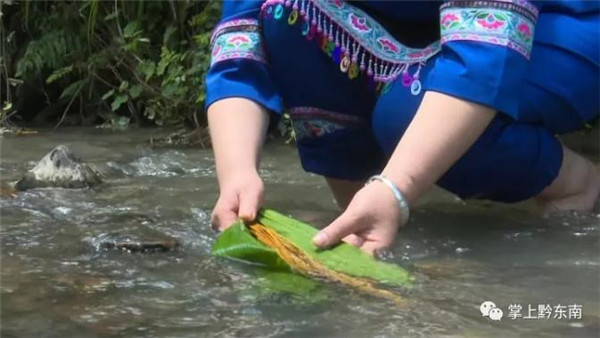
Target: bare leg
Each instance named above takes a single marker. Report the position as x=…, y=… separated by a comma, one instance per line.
x=343, y=190
x=576, y=188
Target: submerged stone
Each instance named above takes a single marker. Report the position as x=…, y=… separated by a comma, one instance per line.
x=142, y=240
x=129, y=245
x=62, y=169
x=199, y=137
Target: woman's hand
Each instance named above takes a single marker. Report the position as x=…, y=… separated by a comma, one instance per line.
x=442, y=131
x=237, y=129
x=241, y=196
x=370, y=221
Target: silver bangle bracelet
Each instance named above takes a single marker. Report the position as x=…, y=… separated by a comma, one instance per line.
x=404, y=209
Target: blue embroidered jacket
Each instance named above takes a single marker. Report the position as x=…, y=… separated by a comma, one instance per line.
x=483, y=49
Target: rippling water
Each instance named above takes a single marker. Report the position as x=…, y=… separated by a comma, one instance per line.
x=56, y=282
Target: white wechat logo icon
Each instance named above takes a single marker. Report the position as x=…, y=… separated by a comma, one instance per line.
x=490, y=310
x=486, y=307
x=496, y=314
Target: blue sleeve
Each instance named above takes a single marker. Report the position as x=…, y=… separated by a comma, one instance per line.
x=238, y=63
x=485, y=50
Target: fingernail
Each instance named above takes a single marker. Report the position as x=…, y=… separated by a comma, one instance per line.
x=320, y=239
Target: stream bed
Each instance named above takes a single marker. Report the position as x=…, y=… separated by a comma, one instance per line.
x=56, y=281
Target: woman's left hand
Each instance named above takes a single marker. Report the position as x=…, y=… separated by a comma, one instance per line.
x=370, y=221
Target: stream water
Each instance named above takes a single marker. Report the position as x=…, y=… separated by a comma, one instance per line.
x=56, y=282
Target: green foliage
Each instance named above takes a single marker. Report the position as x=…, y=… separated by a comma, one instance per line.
x=47, y=53
x=144, y=60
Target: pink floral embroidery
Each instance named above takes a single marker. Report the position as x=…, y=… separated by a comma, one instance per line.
x=448, y=19
x=491, y=22
x=416, y=54
x=216, y=50
x=388, y=45
x=524, y=30
x=359, y=23
x=238, y=40
x=510, y=24
x=338, y=3
x=232, y=24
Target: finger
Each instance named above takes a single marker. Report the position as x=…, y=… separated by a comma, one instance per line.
x=353, y=239
x=332, y=234
x=222, y=219
x=371, y=247
x=250, y=202
x=376, y=248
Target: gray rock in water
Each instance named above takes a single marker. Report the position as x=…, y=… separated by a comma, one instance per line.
x=140, y=239
x=128, y=232
x=60, y=168
x=144, y=246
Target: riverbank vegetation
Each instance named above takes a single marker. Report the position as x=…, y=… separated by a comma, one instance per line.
x=111, y=63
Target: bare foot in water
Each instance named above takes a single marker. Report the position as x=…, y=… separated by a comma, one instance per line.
x=577, y=187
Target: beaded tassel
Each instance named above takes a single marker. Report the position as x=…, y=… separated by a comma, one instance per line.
x=415, y=86
x=351, y=56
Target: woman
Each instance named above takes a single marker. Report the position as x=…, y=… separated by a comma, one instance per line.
x=460, y=93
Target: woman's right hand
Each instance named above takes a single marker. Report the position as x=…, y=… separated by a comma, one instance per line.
x=241, y=196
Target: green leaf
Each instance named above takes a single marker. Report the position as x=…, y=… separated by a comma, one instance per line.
x=124, y=85
x=166, y=56
x=147, y=68
x=108, y=94
x=342, y=258
x=59, y=73
x=111, y=16
x=202, y=39
x=237, y=242
x=92, y=18
x=500, y=17
x=135, y=91
x=162, y=65
x=201, y=97
x=118, y=102
x=131, y=30
x=168, y=32
x=74, y=88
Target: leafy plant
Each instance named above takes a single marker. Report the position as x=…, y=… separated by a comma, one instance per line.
x=94, y=61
